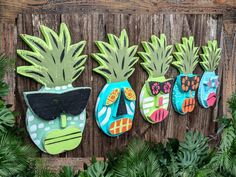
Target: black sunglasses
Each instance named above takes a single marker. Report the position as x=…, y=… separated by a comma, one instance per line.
x=49, y=106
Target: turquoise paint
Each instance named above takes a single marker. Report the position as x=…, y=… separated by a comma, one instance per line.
x=204, y=90
x=178, y=95
x=109, y=112
x=39, y=128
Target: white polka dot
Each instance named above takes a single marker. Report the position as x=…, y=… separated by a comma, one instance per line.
x=31, y=118
x=33, y=135
x=47, y=88
x=76, y=118
x=58, y=88
x=47, y=128
x=37, y=142
x=72, y=123
x=69, y=118
x=69, y=85
x=81, y=125
x=81, y=116
x=41, y=125
x=51, y=122
x=33, y=128
x=64, y=87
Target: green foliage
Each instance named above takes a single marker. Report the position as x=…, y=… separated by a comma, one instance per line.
x=96, y=169
x=55, y=62
x=186, y=56
x=66, y=171
x=157, y=56
x=7, y=118
x=211, y=56
x=14, y=155
x=116, y=58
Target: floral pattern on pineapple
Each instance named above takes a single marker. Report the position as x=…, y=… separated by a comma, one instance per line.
x=115, y=107
x=56, y=113
x=154, y=96
x=186, y=83
x=209, y=82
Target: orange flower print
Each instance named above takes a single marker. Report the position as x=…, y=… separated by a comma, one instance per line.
x=185, y=83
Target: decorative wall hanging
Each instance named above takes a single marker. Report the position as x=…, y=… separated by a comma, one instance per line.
x=154, y=96
x=115, y=105
x=56, y=114
x=186, y=84
x=209, y=81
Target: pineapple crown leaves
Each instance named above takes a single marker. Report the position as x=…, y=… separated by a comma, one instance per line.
x=211, y=56
x=116, y=58
x=186, y=56
x=55, y=62
x=157, y=56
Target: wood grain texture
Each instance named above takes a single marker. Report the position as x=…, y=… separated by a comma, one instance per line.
x=94, y=26
x=10, y=9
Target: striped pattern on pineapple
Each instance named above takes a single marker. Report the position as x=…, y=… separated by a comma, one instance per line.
x=148, y=103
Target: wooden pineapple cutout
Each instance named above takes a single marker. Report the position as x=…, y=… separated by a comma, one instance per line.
x=115, y=105
x=209, y=81
x=56, y=113
x=186, y=84
x=154, y=96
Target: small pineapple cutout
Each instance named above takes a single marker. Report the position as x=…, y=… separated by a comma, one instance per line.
x=115, y=105
x=186, y=84
x=209, y=81
x=56, y=113
x=154, y=96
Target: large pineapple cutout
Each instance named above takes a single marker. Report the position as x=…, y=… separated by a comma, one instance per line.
x=115, y=105
x=186, y=83
x=56, y=114
x=154, y=96
x=209, y=81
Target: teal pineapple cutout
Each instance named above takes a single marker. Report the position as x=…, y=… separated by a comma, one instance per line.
x=115, y=105
x=154, y=96
x=56, y=113
x=209, y=82
x=186, y=83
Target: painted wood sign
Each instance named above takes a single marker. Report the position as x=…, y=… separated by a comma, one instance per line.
x=186, y=83
x=115, y=105
x=56, y=113
x=154, y=96
x=209, y=81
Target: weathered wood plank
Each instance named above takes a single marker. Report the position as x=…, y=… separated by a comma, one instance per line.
x=94, y=26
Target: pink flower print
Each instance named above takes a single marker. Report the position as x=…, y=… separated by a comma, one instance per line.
x=209, y=83
x=155, y=88
x=217, y=83
x=167, y=87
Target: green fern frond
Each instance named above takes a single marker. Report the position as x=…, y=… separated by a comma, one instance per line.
x=211, y=56
x=116, y=58
x=157, y=56
x=227, y=138
x=55, y=61
x=186, y=56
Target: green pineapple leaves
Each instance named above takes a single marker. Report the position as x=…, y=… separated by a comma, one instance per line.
x=157, y=56
x=211, y=56
x=186, y=56
x=116, y=58
x=54, y=62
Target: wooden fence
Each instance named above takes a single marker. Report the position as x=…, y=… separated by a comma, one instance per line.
x=94, y=25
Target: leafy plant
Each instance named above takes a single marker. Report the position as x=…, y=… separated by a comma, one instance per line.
x=116, y=58
x=186, y=56
x=50, y=57
x=211, y=56
x=14, y=155
x=96, y=169
x=157, y=56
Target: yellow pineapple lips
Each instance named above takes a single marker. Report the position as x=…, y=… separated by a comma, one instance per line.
x=120, y=126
